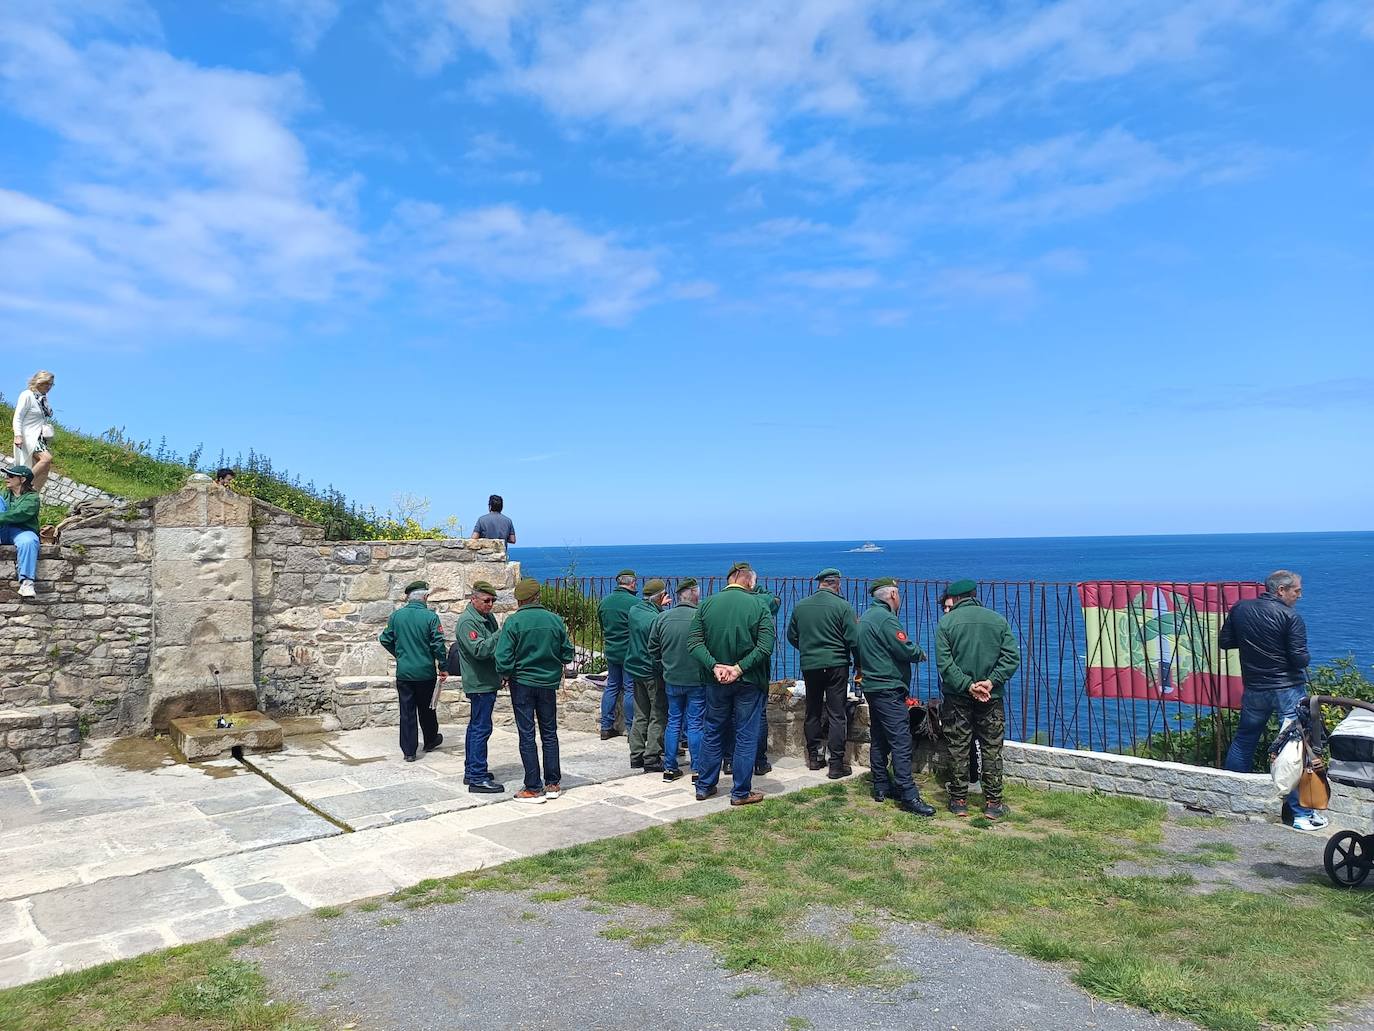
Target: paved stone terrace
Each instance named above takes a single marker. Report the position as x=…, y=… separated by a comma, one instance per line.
x=130, y=851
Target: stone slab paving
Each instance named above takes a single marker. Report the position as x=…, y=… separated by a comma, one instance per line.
x=132, y=852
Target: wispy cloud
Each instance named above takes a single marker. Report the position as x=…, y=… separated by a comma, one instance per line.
x=304, y=21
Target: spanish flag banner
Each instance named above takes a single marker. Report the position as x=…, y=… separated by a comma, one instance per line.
x=1158, y=641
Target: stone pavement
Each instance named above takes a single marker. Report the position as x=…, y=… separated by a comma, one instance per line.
x=130, y=851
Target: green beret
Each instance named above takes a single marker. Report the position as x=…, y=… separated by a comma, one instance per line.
x=737, y=567
x=625, y=572
x=827, y=573
x=961, y=587
x=416, y=585
x=482, y=587
x=686, y=584
x=20, y=470
x=654, y=586
x=882, y=581
x=527, y=590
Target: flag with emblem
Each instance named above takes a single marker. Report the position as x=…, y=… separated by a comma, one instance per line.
x=1153, y=640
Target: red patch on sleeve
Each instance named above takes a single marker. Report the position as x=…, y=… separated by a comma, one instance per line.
x=472, y=634
x=901, y=635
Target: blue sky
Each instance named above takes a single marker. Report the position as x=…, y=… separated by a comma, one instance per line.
x=668, y=272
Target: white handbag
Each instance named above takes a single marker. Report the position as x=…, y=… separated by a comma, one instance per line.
x=46, y=431
x=1287, y=766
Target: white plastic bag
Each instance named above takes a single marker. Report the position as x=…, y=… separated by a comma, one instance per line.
x=1287, y=766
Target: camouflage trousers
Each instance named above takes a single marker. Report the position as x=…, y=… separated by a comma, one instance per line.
x=963, y=720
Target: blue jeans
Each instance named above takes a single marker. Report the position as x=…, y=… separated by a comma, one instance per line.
x=734, y=705
x=686, y=712
x=1255, y=709
x=479, y=733
x=761, y=754
x=25, y=546
x=539, y=704
x=618, y=686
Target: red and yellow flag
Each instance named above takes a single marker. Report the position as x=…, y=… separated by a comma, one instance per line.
x=1153, y=640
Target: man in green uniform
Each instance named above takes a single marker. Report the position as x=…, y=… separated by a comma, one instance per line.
x=614, y=616
x=825, y=629
x=732, y=636
x=887, y=654
x=476, y=638
x=19, y=525
x=531, y=651
x=415, y=637
x=684, y=678
x=651, y=703
x=976, y=654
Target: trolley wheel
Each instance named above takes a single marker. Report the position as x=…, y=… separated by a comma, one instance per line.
x=1348, y=858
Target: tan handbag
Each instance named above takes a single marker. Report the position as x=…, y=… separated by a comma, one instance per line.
x=1313, y=790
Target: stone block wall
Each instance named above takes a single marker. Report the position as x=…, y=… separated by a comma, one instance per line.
x=42, y=735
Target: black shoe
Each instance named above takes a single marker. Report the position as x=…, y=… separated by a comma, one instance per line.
x=486, y=787
x=636, y=764
x=695, y=776
x=410, y=758
x=437, y=742
x=702, y=796
x=606, y=735
x=880, y=796
x=836, y=772
x=671, y=775
x=727, y=768
x=958, y=806
x=762, y=768
x=814, y=762
x=995, y=809
x=917, y=807
x=652, y=766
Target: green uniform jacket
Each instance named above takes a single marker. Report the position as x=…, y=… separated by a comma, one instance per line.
x=533, y=647
x=825, y=629
x=671, y=648
x=768, y=598
x=614, y=613
x=20, y=512
x=735, y=628
x=973, y=643
x=476, y=638
x=416, y=637
x=885, y=652
x=638, y=661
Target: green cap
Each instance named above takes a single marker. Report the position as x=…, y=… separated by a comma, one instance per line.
x=882, y=581
x=20, y=470
x=482, y=587
x=527, y=590
x=416, y=585
x=961, y=587
x=686, y=584
x=625, y=572
x=654, y=586
x=827, y=573
x=737, y=567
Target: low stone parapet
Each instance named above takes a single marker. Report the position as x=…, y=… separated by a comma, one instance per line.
x=42, y=735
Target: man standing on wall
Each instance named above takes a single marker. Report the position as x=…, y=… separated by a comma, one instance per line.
x=476, y=637
x=651, y=703
x=531, y=651
x=976, y=654
x=887, y=654
x=1272, y=639
x=614, y=616
x=415, y=637
x=494, y=526
x=732, y=635
x=684, y=679
x=825, y=629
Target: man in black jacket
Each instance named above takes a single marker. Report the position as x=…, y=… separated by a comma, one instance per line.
x=1272, y=639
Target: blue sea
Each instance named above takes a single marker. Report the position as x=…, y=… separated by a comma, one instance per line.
x=1337, y=568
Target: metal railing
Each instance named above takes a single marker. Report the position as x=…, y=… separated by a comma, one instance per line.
x=1047, y=701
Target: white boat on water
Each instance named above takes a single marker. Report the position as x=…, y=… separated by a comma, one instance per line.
x=865, y=549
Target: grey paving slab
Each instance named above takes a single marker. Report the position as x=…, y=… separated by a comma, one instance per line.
x=111, y=906
x=558, y=829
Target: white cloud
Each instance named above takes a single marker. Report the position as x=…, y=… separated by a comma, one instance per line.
x=305, y=21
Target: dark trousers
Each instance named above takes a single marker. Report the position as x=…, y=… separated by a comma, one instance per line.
x=890, y=735
x=480, y=707
x=649, y=721
x=734, y=705
x=827, y=722
x=414, y=696
x=537, y=704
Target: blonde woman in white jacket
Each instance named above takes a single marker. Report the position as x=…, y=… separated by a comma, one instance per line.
x=32, y=420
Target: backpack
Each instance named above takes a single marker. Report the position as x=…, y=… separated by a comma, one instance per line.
x=454, y=664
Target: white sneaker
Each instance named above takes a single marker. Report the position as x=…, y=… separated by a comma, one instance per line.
x=1319, y=820
x=26, y=589
x=1307, y=823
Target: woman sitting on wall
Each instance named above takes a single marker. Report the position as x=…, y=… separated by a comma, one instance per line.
x=19, y=524
x=33, y=427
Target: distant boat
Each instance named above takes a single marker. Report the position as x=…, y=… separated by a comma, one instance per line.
x=866, y=549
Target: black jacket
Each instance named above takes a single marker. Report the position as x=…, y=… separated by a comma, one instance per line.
x=1272, y=639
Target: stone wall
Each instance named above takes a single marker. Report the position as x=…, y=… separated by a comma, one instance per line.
x=43, y=735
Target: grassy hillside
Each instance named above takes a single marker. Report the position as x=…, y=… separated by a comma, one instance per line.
x=136, y=470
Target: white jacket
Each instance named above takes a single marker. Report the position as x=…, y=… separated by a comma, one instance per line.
x=28, y=425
